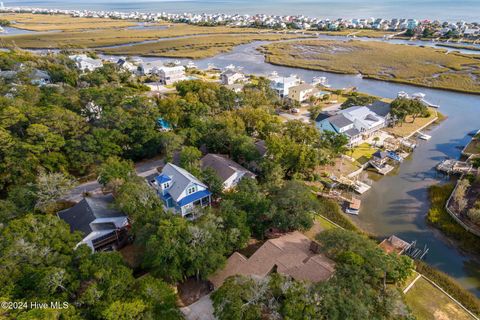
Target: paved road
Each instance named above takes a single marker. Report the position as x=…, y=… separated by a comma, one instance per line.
x=143, y=168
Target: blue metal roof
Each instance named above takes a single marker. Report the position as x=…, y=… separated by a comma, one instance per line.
x=193, y=197
x=164, y=124
x=162, y=179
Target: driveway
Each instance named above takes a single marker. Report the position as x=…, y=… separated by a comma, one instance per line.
x=143, y=168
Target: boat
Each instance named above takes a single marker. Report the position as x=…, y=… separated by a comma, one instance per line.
x=191, y=65
x=353, y=206
x=393, y=155
x=320, y=81
x=424, y=136
x=177, y=62
x=230, y=67
x=1, y=30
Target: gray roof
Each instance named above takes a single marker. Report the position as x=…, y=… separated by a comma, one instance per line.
x=83, y=213
x=381, y=108
x=340, y=121
x=223, y=166
x=322, y=116
x=181, y=179
x=352, y=132
x=261, y=147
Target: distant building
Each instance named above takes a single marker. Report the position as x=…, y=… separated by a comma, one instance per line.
x=180, y=191
x=85, y=63
x=304, y=91
x=102, y=226
x=282, y=85
x=229, y=172
x=170, y=75
x=230, y=77
x=127, y=65
x=150, y=67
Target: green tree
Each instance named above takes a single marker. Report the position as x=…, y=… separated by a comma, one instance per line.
x=49, y=188
x=115, y=171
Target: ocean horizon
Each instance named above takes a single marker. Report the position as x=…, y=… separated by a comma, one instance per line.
x=466, y=10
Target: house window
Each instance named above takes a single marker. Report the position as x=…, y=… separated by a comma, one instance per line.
x=191, y=190
x=166, y=185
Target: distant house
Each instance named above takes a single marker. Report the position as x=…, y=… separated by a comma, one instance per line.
x=39, y=77
x=292, y=255
x=261, y=147
x=180, y=191
x=227, y=170
x=230, y=77
x=102, y=226
x=236, y=87
x=163, y=125
x=85, y=63
x=357, y=123
x=304, y=91
x=150, y=67
x=170, y=75
x=282, y=85
x=127, y=65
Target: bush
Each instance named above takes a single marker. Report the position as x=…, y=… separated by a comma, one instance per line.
x=466, y=298
x=440, y=218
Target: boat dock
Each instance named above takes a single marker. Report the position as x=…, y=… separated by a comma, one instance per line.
x=383, y=169
x=359, y=186
x=455, y=167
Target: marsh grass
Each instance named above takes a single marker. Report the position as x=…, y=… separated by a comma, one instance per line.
x=195, y=47
x=421, y=66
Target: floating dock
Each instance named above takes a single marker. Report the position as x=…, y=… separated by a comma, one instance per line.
x=455, y=167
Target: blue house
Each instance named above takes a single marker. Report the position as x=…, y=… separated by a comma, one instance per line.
x=180, y=191
x=163, y=125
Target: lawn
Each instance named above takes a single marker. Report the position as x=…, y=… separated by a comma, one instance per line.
x=428, y=302
x=340, y=167
x=320, y=224
x=423, y=66
x=362, y=153
x=473, y=146
x=408, y=127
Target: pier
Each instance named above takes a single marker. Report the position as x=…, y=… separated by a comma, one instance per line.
x=450, y=166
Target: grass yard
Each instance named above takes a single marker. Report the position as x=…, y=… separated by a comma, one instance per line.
x=320, y=224
x=46, y=22
x=427, y=302
x=196, y=47
x=80, y=39
x=362, y=153
x=473, y=146
x=340, y=167
x=408, y=128
x=428, y=67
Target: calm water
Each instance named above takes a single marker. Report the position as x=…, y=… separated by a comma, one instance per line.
x=421, y=9
x=398, y=204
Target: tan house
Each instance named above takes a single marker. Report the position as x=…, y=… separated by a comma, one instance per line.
x=292, y=254
x=304, y=91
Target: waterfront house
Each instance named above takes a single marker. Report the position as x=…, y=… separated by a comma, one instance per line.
x=39, y=77
x=229, y=172
x=282, y=85
x=85, y=63
x=101, y=225
x=304, y=91
x=339, y=124
x=127, y=65
x=180, y=191
x=170, y=75
x=229, y=77
x=150, y=67
x=292, y=254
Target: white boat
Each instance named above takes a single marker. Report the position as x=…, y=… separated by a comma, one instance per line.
x=353, y=207
x=177, y=62
x=424, y=136
x=1, y=30
x=320, y=81
x=191, y=65
x=230, y=67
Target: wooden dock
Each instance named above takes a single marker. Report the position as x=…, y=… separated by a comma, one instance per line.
x=456, y=167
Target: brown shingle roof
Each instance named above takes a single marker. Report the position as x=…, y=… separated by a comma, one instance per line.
x=291, y=255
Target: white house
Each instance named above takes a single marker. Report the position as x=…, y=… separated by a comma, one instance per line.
x=229, y=172
x=282, y=85
x=170, y=75
x=180, y=191
x=304, y=91
x=150, y=67
x=230, y=77
x=357, y=123
x=85, y=63
x=127, y=65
